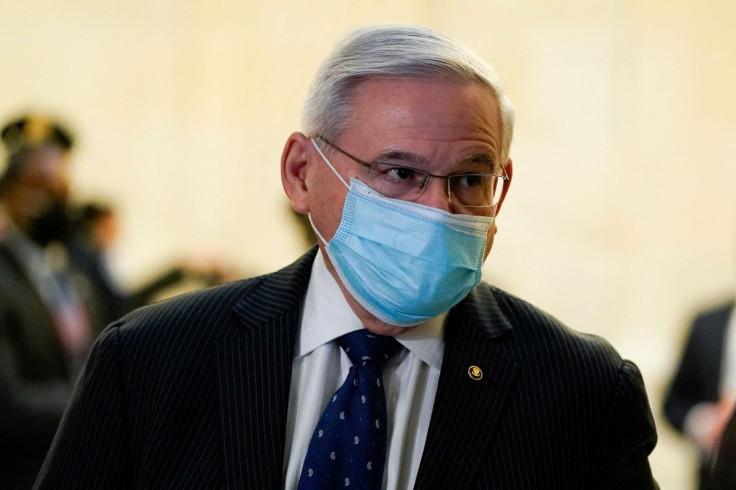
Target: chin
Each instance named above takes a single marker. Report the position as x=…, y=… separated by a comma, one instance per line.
x=381, y=328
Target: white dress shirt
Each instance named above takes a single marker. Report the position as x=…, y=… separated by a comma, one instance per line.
x=320, y=366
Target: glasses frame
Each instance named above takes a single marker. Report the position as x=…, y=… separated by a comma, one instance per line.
x=428, y=175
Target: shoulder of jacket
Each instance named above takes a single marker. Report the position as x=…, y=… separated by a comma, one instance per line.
x=537, y=329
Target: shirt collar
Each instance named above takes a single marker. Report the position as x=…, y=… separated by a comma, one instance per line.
x=327, y=316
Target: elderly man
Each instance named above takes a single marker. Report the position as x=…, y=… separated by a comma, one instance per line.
x=377, y=360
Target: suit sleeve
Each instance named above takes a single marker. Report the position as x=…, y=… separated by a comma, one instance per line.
x=629, y=435
x=91, y=448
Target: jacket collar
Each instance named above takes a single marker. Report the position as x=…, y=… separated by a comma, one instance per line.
x=271, y=296
x=476, y=383
x=482, y=311
x=254, y=371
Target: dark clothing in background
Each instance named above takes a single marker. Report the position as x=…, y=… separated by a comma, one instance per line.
x=699, y=372
x=36, y=375
x=37, y=372
x=114, y=301
x=698, y=375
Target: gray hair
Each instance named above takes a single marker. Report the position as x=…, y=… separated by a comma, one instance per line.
x=397, y=51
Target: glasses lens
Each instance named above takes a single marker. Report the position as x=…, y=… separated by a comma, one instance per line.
x=477, y=190
x=396, y=181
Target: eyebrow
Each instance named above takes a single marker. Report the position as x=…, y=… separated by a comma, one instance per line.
x=481, y=158
x=407, y=157
x=400, y=156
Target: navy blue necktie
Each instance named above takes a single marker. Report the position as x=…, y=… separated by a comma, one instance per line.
x=348, y=447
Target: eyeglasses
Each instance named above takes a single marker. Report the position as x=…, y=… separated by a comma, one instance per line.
x=470, y=190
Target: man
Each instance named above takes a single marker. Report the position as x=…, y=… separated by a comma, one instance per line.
x=45, y=326
x=402, y=167
x=702, y=394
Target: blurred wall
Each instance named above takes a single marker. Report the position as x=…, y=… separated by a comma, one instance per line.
x=622, y=215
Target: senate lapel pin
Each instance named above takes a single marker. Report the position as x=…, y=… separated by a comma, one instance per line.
x=475, y=373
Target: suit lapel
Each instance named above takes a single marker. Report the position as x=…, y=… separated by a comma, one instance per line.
x=468, y=404
x=254, y=371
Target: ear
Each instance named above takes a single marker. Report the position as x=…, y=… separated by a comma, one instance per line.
x=509, y=167
x=294, y=161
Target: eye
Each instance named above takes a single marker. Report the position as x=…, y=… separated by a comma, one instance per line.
x=469, y=180
x=395, y=180
x=401, y=173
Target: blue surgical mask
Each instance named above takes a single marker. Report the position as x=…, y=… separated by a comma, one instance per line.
x=404, y=262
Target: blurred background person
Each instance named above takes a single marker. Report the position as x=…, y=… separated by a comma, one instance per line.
x=94, y=235
x=46, y=319
x=702, y=394
x=57, y=291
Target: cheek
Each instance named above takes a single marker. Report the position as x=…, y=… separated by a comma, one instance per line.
x=489, y=240
x=326, y=210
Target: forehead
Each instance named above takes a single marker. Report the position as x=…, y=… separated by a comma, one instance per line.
x=432, y=117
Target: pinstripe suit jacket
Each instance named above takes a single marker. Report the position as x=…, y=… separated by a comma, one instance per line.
x=193, y=393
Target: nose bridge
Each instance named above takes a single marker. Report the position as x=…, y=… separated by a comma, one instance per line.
x=436, y=193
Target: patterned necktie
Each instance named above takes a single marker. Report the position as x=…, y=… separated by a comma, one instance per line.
x=348, y=447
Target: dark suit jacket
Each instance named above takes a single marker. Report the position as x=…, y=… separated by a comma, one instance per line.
x=193, y=393
x=26, y=322
x=35, y=382
x=699, y=372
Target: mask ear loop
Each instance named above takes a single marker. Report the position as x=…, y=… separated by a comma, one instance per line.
x=319, y=150
x=316, y=231
x=334, y=171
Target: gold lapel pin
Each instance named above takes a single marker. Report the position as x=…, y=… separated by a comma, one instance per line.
x=475, y=373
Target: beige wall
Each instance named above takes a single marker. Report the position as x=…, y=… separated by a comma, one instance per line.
x=622, y=215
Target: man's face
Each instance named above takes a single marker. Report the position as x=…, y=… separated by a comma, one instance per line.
x=41, y=184
x=442, y=127
x=445, y=126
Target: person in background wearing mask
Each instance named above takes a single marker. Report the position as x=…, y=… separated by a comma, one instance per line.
x=46, y=323
x=378, y=359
